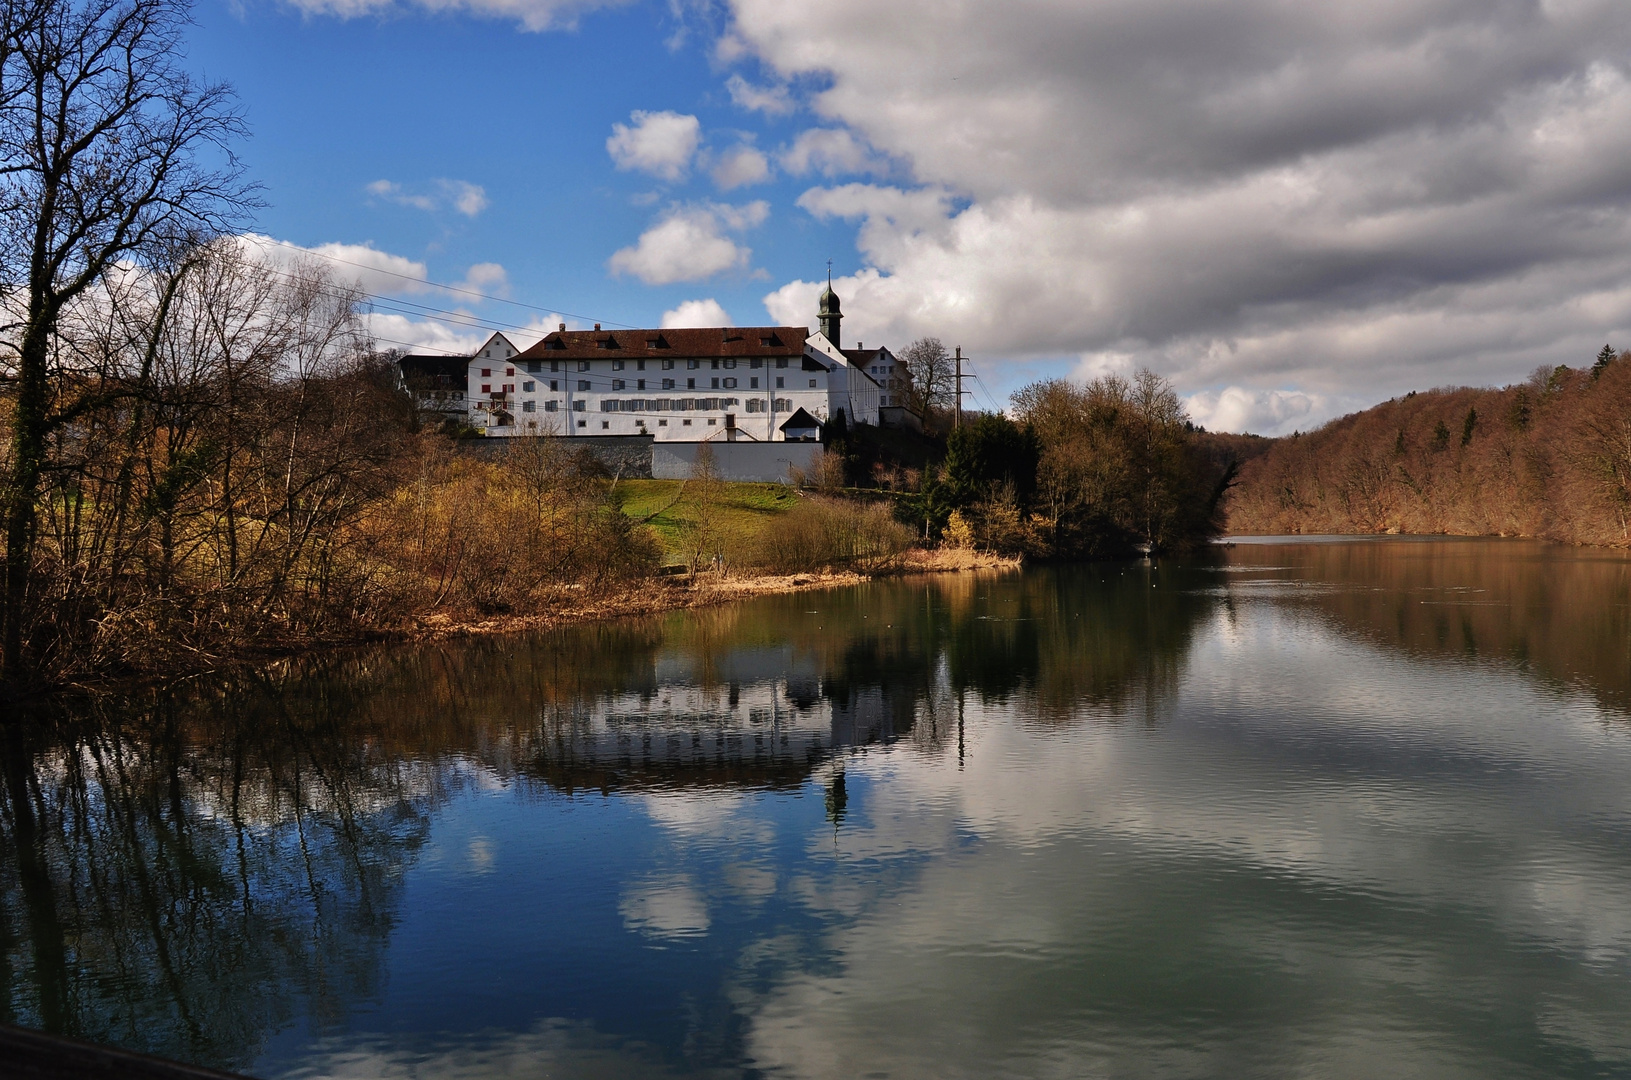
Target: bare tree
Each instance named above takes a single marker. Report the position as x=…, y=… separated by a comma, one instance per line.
x=933, y=374
x=112, y=155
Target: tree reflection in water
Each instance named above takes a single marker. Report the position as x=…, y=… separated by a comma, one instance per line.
x=189, y=873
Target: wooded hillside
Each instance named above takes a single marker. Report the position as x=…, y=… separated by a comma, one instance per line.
x=1549, y=458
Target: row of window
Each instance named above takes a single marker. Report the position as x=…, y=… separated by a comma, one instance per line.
x=706, y=404
x=535, y=367
x=726, y=383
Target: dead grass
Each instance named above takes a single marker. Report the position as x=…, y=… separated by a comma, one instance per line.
x=680, y=593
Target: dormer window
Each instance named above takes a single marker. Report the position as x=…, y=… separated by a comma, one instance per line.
x=770, y=341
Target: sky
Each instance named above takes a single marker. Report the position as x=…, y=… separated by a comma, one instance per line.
x=1291, y=209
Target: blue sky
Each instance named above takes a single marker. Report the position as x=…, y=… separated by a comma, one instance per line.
x=1288, y=213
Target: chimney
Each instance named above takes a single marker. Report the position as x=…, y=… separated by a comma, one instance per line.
x=858, y=344
x=597, y=326
x=563, y=328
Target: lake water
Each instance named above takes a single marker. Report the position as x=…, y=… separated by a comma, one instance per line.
x=1356, y=808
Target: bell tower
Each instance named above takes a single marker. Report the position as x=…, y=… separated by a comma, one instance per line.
x=831, y=314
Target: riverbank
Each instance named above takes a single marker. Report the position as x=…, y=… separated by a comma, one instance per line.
x=678, y=593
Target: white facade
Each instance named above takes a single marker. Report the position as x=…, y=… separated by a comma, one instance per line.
x=672, y=399
x=492, y=385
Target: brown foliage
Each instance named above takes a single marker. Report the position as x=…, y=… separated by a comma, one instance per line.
x=819, y=533
x=1550, y=458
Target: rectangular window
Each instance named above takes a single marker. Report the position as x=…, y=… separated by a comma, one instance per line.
x=690, y=384
x=781, y=361
x=617, y=384
x=693, y=364
x=730, y=384
x=528, y=387
x=668, y=365
x=617, y=365
x=668, y=384
x=486, y=388
x=640, y=365
x=583, y=365
x=753, y=383
x=583, y=384
x=604, y=424
x=640, y=384
x=712, y=422
x=534, y=367
x=685, y=423
x=509, y=388
x=509, y=372
x=583, y=423
x=812, y=384
x=554, y=365
x=487, y=373
x=716, y=383
x=780, y=382
x=730, y=362
x=578, y=406
x=716, y=364
x=550, y=405
x=554, y=385
x=662, y=423
x=529, y=406
x=755, y=362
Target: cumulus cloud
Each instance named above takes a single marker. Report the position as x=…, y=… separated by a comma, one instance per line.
x=659, y=143
x=1261, y=412
x=488, y=277
x=371, y=269
x=830, y=152
x=533, y=15
x=1259, y=196
x=696, y=313
x=689, y=243
x=770, y=100
x=460, y=195
x=740, y=166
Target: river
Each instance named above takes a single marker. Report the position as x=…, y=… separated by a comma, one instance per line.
x=1319, y=808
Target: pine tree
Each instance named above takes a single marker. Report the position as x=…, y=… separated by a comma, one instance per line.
x=1604, y=358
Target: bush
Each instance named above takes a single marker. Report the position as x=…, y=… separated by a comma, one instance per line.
x=820, y=533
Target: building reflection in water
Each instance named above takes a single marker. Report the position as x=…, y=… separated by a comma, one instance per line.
x=189, y=872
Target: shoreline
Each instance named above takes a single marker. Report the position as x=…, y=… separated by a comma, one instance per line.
x=656, y=596
x=652, y=596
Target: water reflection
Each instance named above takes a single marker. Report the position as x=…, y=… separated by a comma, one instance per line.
x=1342, y=809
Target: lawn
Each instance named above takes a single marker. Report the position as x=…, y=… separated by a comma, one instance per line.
x=747, y=511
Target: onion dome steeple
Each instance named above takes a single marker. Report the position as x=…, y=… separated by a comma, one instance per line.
x=831, y=314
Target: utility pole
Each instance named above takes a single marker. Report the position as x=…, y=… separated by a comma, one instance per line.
x=957, y=416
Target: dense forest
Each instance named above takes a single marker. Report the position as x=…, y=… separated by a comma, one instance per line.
x=1548, y=458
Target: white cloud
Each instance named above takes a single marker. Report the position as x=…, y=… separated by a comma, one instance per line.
x=830, y=152
x=770, y=100
x=696, y=313
x=1261, y=412
x=490, y=278
x=688, y=243
x=535, y=15
x=659, y=143
x=460, y=195
x=1261, y=197
x=372, y=270
x=740, y=166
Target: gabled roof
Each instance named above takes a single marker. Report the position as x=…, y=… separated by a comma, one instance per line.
x=800, y=419
x=704, y=343
x=496, y=339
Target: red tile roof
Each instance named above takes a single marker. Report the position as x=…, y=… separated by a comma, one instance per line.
x=670, y=344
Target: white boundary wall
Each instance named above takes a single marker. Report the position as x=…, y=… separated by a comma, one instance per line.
x=764, y=462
